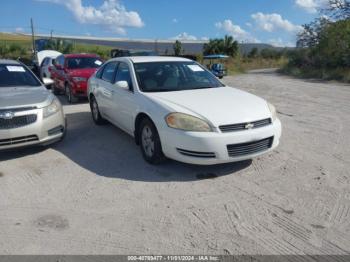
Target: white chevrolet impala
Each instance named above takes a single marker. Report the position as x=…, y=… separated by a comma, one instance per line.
x=175, y=108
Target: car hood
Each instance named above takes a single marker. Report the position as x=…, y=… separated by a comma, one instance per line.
x=14, y=97
x=219, y=106
x=86, y=72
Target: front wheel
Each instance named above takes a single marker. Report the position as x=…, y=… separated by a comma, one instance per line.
x=150, y=143
x=55, y=90
x=70, y=97
x=96, y=115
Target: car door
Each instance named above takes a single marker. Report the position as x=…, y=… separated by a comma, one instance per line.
x=105, y=90
x=124, y=102
x=60, y=74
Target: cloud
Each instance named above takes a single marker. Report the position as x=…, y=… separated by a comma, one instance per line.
x=175, y=20
x=280, y=43
x=184, y=36
x=274, y=22
x=19, y=29
x=111, y=14
x=311, y=6
x=236, y=31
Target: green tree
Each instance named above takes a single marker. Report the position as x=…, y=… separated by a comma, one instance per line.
x=338, y=9
x=311, y=33
x=334, y=46
x=214, y=47
x=253, y=53
x=226, y=45
x=178, y=50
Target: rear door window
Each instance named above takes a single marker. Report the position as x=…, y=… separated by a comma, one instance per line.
x=108, y=72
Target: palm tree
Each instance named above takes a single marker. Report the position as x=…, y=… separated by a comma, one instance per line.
x=230, y=46
x=227, y=46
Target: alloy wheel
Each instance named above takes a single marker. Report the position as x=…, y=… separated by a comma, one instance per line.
x=147, y=141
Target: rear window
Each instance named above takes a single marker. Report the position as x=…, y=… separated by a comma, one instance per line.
x=16, y=75
x=83, y=62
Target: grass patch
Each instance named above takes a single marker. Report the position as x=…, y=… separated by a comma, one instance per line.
x=328, y=74
x=13, y=46
x=241, y=65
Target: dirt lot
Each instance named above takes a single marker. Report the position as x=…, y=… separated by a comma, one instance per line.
x=94, y=194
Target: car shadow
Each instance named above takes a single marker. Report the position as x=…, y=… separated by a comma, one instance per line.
x=64, y=101
x=109, y=152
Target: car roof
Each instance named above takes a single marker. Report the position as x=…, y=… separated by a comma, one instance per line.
x=80, y=55
x=148, y=59
x=9, y=62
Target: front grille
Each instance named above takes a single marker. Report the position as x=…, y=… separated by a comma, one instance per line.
x=18, y=140
x=243, y=126
x=17, y=121
x=18, y=109
x=243, y=149
x=196, y=154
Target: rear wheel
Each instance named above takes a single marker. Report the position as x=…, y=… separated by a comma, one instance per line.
x=96, y=115
x=151, y=147
x=70, y=97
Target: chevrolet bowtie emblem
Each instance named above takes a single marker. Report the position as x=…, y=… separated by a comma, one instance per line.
x=7, y=115
x=249, y=126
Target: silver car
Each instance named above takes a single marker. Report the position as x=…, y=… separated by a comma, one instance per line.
x=29, y=113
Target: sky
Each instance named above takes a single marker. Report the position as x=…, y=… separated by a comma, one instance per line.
x=261, y=21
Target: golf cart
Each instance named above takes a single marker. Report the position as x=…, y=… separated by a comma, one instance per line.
x=215, y=65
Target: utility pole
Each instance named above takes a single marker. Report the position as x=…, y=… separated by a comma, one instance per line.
x=51, y=34
x=33, y=36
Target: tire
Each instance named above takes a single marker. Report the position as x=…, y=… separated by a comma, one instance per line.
x=70, y=97
x=150, y=144
x=95, y=112
x=55, y=90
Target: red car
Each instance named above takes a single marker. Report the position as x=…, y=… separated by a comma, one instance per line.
x=71, y=73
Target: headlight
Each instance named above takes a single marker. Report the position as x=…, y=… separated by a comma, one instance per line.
x=52, y=109
x=79, y=79
x=187, y=123
x=273, y=111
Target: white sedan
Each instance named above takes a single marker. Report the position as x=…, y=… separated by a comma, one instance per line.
x=175, y=108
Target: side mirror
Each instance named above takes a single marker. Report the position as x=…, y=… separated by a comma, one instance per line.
x=122, y=85
x=47, y=81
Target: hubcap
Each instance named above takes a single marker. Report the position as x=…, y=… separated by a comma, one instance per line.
x=95, y=109
x=147, y=141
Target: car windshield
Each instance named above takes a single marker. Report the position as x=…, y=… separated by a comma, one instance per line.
x=83, y=62
x=218, y=67
x=17, y=75
x=173, y=76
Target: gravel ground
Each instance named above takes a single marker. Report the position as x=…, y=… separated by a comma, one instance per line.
x=94, y=194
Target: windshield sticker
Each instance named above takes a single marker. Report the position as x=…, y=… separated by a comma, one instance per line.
x=15, y=68
x=97, y=62
x=195, y=68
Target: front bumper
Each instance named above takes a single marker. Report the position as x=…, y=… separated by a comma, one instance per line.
x=42, y=132
x=215, y=142
x=79, y=89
